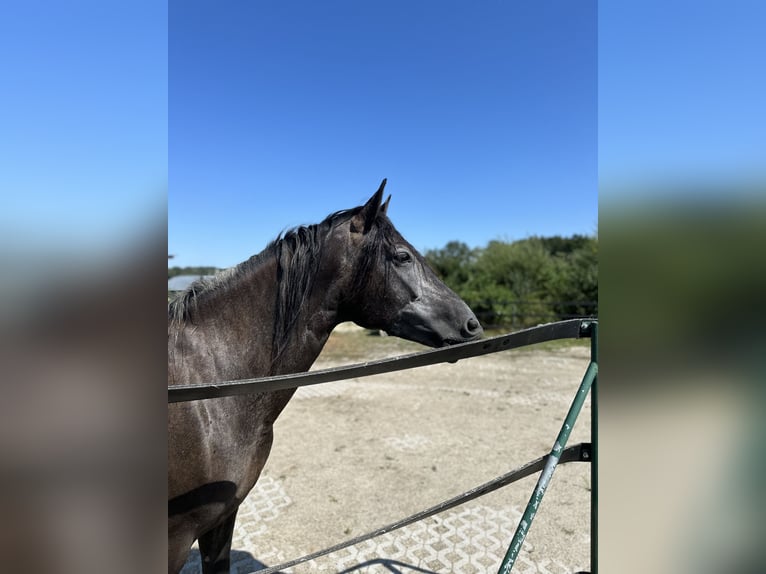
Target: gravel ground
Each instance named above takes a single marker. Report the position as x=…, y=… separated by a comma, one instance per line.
x=349, y=457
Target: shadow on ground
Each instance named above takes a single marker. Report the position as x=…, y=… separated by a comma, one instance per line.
x=393, y=566
x=245, y=563
x=241, y=563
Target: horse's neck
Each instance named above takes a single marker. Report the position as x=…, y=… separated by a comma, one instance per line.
x=237, y=324
x=307, y=336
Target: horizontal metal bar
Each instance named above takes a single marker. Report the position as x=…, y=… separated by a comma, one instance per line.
x=571, y=329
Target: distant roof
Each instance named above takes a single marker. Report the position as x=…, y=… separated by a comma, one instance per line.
x=182, y=282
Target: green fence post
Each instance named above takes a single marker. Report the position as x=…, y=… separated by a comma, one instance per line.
x=594, y=452
x=550, y=465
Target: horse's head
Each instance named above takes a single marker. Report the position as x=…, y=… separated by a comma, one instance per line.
x=392, y=288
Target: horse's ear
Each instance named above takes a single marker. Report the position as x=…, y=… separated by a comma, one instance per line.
x=364, y=220
x=384, y=207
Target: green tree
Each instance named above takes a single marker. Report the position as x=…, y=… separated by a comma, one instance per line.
x=558, y=245
x=575, y=288
x=453, y=263
x=521, y=272
x=525, y=282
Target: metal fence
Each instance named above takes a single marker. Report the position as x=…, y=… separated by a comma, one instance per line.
x=546, y=465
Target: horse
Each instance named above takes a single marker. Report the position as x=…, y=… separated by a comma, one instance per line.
x=271, y=315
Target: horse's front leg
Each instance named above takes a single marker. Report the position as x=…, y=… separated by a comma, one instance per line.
x=215, y=547
x=179, y=544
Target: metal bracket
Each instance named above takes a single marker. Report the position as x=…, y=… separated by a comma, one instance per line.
x=586, y=328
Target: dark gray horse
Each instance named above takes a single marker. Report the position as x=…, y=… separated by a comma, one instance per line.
x=272, y=315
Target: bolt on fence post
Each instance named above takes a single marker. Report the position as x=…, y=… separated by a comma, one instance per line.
x=550, y=465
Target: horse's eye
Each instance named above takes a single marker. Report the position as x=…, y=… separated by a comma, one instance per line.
x=402, y=256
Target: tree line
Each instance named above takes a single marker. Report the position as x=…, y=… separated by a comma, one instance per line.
x=522, y=283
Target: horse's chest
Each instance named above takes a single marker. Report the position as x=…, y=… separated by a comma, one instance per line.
x=237, y=449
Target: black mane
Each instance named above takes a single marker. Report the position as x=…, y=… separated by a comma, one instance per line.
x=298, y=253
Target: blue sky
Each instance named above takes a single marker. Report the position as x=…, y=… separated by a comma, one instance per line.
x=481, y=115
x=248, y=117
x=681, y=93
x=83, y=123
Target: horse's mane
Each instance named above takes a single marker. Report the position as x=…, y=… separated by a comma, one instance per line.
x=298, y=253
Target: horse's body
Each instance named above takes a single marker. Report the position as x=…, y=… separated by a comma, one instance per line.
x=272, y=315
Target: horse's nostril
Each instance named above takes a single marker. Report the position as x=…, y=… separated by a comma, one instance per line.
x=472, y=325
